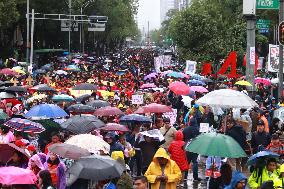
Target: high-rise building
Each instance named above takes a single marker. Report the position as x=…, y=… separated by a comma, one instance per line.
x=165, y=6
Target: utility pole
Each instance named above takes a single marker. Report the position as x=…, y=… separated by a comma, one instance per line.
x=28, y=32
x=70, y=23
x=32, y=37
x=281, y=19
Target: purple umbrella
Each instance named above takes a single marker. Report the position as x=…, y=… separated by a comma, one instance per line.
x=150, y=76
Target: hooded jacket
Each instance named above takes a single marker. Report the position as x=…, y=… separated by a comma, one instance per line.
x=36, y=159
x=237, y=177
x=171, y=170
x=176, y=149
x=191, y=131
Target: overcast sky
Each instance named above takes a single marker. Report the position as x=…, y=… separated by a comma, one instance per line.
x=149, y=10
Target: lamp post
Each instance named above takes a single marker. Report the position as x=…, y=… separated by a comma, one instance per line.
x=28, y=32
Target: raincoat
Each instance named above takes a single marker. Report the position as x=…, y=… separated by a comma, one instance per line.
x=176, y=149
x=36, y=159
x=171, y=170
x=254, y=183
x=237, y=177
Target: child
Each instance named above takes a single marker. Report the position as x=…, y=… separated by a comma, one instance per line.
x=275, y=145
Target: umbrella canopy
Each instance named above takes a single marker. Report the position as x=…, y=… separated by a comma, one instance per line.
x=81, y=108
x=150, y=76
x=39, y=71
x=8, y=71
x=262, y=154
x=96, y=168
x=4, y=95
x=68, y=151
x=274, y=80
x=98, y=104
x=83, y=97
x=8, y=150
x=62, y=98
x=3, y=115
x=195, y=82
x=61, y=72
x=17, y=89
x=39, y=86
x=179, y=88
x=81, y=124
x=72, y=68
x=36, y=97
x=154, y=108
x=85, y=86
x=177, y=75
x=215, y=144
x=199, y=89
x=46, y=89
x=133, y=118
x=92, y=143
x=46, y=111
x=24, y=125
x=226, y=98
x=148, y=85
x=243, y=83
x=187, y=101
x=15, y=175
x=114, y=127
x=108, y=111
x=264, y=81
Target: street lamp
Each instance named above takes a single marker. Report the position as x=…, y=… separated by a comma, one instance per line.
x=82, y=25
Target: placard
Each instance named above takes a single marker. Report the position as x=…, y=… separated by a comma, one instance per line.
x=204, y=127
x=190, y=67
x=252, y=55
x=137, y=99
x=171, y=115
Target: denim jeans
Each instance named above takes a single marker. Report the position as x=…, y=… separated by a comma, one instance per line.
x=192, y=158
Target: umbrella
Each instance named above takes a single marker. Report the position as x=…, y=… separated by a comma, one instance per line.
x=24, y=125
x=68, y=151
x=154, y=108
x=62, y=98
x=46, y=67
x=199, y=89
x=164, y=73
x=61, y=72
x=85, y=86
x=3, y=115
x=72, y=68
x=89, y=142
x=46, y=89
x=96, y=168
x=148, y=85
x=150, y=76
x=132, y=118
x=39, y=86
x=207, y=80
x=243, y=83
x=4, y=95
x=114, y=127
x=274, y=80
x=177, y=75
x=98, y=104
x=8, y=71
x=179, y=88
x=108, y=111
x=36, y=97
x=215, y=144
x=15, y=176
x=81, y=108
x=264, y=81
x=46, y=111
x=195, y=82
x=83, y=97
x=8, y=150
x=262, y=154
x=226, y=98
x=81, y=124
x=187, y=101
x=39, y=71
x=16, y=89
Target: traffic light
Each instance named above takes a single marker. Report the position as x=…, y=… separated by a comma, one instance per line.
x=281, y=33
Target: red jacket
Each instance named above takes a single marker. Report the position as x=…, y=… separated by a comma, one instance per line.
x=176, y=149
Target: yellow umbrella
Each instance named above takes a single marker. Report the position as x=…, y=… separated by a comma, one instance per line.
x=19, y=71
x=243, y=83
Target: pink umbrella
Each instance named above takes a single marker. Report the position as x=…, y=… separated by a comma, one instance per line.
x=108, y=111
x=264, y=81
x=153, y=108
x=15, y=175
x=114, y=127
x=148, y=85
x=8, y=71
x=199, y=89
x=179, y=88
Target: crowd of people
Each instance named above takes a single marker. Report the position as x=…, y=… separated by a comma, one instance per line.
x=151, y=151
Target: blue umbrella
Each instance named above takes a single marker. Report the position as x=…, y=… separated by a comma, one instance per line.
x=39, y=71
x=73, y=67
x=176, y=75
x=135, y=118
x=262, y=154
x=46, y=111
x=46, y=67
x=195, y=82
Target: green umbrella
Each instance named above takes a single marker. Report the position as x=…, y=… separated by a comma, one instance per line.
x=3, y=115
x=215, y=144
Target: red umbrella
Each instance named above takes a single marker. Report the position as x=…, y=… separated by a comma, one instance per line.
x=114, y=127
x=153, y=108
x=8, y=71
x=179, y=88
x=108, y=111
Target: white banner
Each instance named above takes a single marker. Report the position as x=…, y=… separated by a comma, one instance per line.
x=97, y=27
x=273, y=58
x=137, y=99
x=252, y=55
x=157, y=63
x=190, y=67
x=166, y=60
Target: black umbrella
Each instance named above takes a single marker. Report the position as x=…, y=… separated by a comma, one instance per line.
x=81, y=108
x=83, y=97
x=98, y=104
x=85, y=86
x=46, y=89
x=82, y=124
x=16, y=89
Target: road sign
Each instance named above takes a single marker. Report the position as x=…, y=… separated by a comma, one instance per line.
x=267, y=4
x=65, y=25
x=97, y=27
x=263, y=25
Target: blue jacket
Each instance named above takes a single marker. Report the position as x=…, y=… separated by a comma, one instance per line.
x=237, y=177
x=191, y=131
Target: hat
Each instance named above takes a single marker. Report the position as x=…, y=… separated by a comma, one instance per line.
x=31, y=148
x=260, y=122
x=195, y=106
x=110, y=135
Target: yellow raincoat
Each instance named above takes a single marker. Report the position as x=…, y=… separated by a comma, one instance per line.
x=254, y=183
x=172, y=171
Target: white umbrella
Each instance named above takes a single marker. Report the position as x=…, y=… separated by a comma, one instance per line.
x=274, y=80
x=187, y=101
x=226, y=98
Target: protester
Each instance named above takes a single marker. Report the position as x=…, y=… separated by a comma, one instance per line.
x=260, y=139
x=55, y=139
x=239, y=181
x=275, y=145
x=168, y=132
x=140, y=182
x=45, y=181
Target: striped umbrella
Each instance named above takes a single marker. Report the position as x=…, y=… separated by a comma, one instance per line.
x=24, y=125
